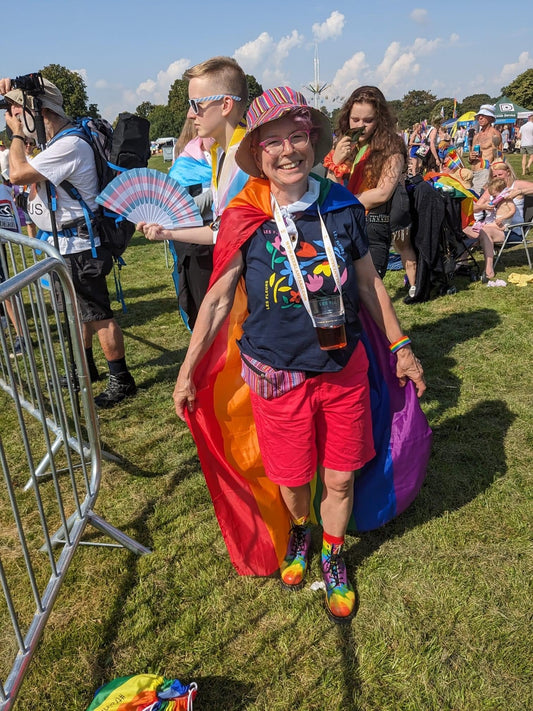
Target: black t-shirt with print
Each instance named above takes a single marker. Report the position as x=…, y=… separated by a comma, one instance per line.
x=278, y=330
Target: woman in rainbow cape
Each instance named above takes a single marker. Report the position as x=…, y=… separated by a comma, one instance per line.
x=273, y=390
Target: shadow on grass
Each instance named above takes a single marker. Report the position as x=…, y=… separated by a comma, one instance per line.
x=219, y=693
x=434, y=341
x=459, y=470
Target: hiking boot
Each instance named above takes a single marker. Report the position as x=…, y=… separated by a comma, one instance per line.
x=19, y=347
x=64, y=380
x=119, y=387
x=294, y=565
x=340, y=595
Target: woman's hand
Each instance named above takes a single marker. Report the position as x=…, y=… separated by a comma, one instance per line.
x=343, y=150
x=408, y=367
x=184, y=394
x=152, y=231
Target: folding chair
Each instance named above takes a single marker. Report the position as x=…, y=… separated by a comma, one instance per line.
x=520, y=233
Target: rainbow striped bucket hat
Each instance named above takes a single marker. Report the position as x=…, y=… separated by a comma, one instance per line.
x=274, y=104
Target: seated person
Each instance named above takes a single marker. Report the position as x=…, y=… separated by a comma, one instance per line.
x=504, y=207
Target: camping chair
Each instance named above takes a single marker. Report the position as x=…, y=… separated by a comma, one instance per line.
x=520, y=233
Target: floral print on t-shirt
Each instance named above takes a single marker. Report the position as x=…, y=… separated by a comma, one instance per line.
x=280, y=287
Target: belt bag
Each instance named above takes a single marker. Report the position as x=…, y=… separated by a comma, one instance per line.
x=267, y=382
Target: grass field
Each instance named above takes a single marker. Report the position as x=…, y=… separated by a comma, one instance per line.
x=444, y=620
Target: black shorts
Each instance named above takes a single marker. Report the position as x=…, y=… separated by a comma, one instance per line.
x=89, y=278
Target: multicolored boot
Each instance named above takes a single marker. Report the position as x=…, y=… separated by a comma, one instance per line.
x=294, y=565
x=340, y=595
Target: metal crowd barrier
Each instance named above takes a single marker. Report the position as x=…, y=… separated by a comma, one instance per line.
x=48, y=433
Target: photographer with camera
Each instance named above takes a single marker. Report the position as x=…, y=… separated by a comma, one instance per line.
x=35, y=110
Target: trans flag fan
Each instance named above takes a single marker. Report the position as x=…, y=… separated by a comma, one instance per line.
x=147, y=195
x=144, y=692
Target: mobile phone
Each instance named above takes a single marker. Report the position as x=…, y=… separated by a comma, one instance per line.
x=356, y=133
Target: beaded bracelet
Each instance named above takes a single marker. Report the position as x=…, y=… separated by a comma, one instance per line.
x=400, y=343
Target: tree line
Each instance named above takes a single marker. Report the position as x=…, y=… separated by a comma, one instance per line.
x=167, y=119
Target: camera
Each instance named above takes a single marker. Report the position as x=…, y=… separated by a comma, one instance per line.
x=32, y=84
x=4, y=105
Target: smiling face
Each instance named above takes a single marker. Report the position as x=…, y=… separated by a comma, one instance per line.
x=363, y=115
x=287, y=172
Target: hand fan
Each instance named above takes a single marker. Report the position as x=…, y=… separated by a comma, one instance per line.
x=146, y=195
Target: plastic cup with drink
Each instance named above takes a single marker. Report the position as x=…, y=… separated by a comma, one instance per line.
x=328, y=314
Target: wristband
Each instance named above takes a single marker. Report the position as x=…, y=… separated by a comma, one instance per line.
x=15, y=135
x=400, y=343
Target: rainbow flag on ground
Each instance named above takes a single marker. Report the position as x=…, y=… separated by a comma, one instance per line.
x=144, y=692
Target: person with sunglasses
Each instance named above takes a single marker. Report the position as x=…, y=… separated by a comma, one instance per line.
x=218, y=95
x=270, y=394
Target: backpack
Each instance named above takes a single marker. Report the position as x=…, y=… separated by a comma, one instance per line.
x=125, y=147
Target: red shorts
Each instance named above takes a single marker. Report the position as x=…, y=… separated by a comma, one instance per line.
x=325, y=420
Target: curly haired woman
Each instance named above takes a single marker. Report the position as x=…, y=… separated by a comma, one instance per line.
x=373, y=168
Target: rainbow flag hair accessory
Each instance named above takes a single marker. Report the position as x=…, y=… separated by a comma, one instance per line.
x=144, y=692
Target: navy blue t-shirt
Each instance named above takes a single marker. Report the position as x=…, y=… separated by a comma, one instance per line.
x=278, y=330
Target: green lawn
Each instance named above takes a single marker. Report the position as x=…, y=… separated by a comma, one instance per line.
x=444, y=619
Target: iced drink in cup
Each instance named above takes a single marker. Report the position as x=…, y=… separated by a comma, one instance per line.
x=329, y=321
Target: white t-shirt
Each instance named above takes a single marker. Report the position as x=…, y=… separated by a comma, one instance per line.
x=69, y=158
x=4, y=163
x=9, y=218
x=526, y=134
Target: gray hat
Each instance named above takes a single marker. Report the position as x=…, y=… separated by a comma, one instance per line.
x=51, y=99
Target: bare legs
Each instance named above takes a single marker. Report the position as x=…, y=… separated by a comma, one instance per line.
x=408, y=257
x=337, y=500
x=110, y=336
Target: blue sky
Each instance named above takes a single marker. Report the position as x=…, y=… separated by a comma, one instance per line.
x=130, y=51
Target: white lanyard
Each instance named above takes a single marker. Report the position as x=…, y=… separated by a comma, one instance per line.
x=287, y=243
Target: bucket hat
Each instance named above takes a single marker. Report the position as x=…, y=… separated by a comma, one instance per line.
x=274, y=104
x=51, y=99
x=486, y=110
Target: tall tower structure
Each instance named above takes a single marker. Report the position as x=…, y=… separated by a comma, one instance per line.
x=316, y=88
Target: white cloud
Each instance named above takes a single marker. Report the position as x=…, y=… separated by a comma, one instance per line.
x=511, y=71
x=82, y=73
x=350, y=75
x=265, y=57
x=423, y=46
x=332, y=27
x=253, y=53
x=419, y=16
x=397, y=66
x=156, y=90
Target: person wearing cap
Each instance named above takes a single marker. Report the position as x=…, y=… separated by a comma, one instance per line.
x=69, y=158
x=287, y=243
x=485, y=147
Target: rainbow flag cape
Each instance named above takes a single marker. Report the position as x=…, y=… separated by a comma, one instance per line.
x=469, y=198
x=144, y=692
x=249, y=509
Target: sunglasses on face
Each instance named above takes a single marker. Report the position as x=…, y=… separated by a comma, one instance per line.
x=195, y=103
